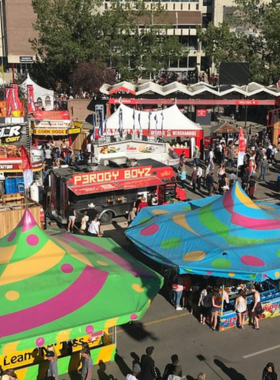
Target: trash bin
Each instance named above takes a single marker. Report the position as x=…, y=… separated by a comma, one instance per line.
x=278, y=182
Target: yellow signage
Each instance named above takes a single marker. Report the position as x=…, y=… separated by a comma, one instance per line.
x=73, y=131
x=49, y=131
x=78, y=124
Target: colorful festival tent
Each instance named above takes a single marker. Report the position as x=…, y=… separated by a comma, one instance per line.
x=66, y=286
x=231, y=236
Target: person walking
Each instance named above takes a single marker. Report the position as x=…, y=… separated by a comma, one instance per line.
x=199, y=177
x=216, y=307
x=210, y=183
x=148, y=369
x=269, y=372
x=135, y=372
x=183, y=176
x=256, y=310
x=52, y=372
x=173, y=368
x=194, y=178
x=86, y=370
x=241, y=308
x=177, y=291
x=71, y=217
x=205, y=303
x=263, y=167
x=252, y=186
x=196, y=156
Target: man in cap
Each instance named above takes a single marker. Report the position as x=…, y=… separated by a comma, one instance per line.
x=52, y=372
x=135, y=372
x=91, y=211
x=148, y=369
x=86, y=371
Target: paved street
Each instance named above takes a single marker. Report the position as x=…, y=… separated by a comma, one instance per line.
x=233, y=354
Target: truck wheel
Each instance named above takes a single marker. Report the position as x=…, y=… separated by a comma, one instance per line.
x=106, y=217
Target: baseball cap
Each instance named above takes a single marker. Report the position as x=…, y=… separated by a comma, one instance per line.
x=50, y=354
x=136, y=368
x=150, y=350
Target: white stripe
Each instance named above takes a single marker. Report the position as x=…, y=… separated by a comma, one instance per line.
x=261, y=352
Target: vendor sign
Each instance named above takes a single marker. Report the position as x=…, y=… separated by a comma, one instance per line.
x=73, y=131
x=10, y=133
x=49, y=131
x=111, y=175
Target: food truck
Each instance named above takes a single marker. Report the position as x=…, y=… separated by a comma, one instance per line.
x=111, y=186
x=61, y=291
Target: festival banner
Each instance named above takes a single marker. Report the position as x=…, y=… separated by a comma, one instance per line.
x=30, y=99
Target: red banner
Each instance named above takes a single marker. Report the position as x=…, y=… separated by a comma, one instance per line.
x=52, y=115
x=201, y=112
x=241, y=141
x=14, y=98
x=30, y=99
x=8, y=101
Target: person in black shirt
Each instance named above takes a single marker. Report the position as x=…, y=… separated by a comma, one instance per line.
x=269, y=372
x=210, y=183
x=148, y=370
x=173, y=368
x=138, y=201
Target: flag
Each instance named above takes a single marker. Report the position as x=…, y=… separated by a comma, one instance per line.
x=26, y=167
x=241, y=148
x=93, y=125
x=156, y=127
x=133, y=116
x=139, y=122
x=8, y=101
x=100, y=131
x=121, y=123
x=149, y=123
x=14, y=99
x=30, y=99
x=162, y=118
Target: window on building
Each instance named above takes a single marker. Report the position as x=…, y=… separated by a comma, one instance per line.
x=48, y=101
x=197, y=7
x=206, y=19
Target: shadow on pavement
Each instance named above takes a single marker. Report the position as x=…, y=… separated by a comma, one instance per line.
x=137, y=331
x=102, y=375
x=124, y=368
x=230, y=372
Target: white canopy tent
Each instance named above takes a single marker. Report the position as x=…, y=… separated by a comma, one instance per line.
x=41, y=95
x=164, y=123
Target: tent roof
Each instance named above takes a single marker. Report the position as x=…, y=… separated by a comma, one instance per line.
x=229, y=237
x=226, y=128
x=173, y=119
x=38, y=90
x=59, y=288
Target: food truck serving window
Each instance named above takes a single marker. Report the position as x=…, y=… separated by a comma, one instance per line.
x=139, y=183
x=92, y=189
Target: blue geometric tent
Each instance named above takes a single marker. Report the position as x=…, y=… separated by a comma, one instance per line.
x=228, y=236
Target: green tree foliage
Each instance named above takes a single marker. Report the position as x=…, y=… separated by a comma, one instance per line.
x=129, y=37
x=260, y=47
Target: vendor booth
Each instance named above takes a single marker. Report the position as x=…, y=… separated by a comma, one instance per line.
x=64, y=290
x=169, y=124
x=228, y=237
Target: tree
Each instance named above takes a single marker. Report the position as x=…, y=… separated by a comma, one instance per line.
x=128, y=37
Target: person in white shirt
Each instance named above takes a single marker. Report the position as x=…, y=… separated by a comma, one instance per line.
x=84, y=221
x=199, y=177
x=94, y=227
x=135, y=372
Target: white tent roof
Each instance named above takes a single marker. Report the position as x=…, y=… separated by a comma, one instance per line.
x=39, y=92
x=173, y=119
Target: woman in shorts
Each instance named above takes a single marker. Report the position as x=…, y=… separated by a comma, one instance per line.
x=216, y=307
x=241, y=308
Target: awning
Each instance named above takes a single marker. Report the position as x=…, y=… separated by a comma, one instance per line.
x=140, y=183
x=94, y=188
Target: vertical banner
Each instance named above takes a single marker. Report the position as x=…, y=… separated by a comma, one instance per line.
x=162, y=118
x=26, y=167
x=241, y=148
x=139, y=122
x=30, y=99
x=8, y=101
x=100, y=131
x=93, y=125
x=149, y=123
x=15, y=100
x=121, y=122
x=133, y=116
x=156, y=120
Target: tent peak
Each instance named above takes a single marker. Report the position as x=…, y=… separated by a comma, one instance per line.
x=27, y=222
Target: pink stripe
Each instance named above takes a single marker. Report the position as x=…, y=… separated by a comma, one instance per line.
x=83, y=290
x=27, y=222
x=134, y=269
x=246, y=221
